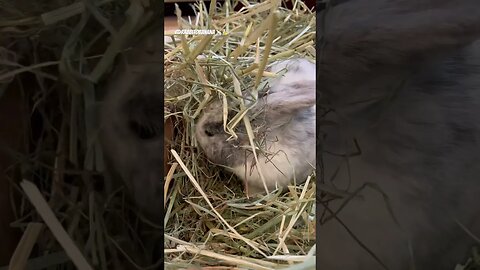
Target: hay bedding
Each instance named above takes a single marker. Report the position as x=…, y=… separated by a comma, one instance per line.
x=208, y=220
x=58, y=53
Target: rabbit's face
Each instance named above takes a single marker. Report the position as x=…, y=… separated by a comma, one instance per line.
x=212, y=137
x=283, y=124
x=131, y=131
x=132, y=137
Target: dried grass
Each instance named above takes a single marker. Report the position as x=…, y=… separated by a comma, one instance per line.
x=208, y=219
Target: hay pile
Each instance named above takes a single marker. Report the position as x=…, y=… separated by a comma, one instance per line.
x=208, y=219
x=59, y=53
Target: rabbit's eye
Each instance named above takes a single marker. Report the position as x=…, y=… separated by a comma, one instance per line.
x=211, y=129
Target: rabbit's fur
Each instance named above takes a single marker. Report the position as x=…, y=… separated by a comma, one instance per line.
x=131, y=130
x=399, y=83
x=284, y=120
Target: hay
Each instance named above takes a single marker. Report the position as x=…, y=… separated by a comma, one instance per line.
x=208, y=219
x=58, y=53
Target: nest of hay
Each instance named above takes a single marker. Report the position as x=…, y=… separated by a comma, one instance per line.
x=208, y=219
x=58, y=54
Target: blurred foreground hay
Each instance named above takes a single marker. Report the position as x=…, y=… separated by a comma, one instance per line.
x=58, y=54
x=208, y=219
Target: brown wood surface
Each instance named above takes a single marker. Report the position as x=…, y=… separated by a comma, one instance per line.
x=170, y=23
x=168, y=139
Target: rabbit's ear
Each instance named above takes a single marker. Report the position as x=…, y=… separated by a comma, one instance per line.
x=359, y=38
x=288, y=98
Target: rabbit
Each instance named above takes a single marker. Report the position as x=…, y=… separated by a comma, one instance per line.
x=131, y=129
x=285, y=121
x=398, y=134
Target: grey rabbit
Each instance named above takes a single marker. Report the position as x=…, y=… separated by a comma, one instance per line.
x=398, y=133
x=131, y=130
x=283, y=118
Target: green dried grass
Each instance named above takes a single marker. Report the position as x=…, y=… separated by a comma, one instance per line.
x=208, y=219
